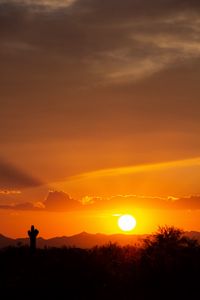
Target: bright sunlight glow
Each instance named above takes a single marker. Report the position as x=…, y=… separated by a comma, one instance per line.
x=126, y=222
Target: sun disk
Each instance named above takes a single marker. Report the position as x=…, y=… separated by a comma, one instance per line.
x=126, y=222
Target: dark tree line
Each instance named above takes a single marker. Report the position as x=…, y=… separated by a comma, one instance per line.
x=166, y=266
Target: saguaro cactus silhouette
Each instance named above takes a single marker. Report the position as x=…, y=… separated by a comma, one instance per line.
x=32, y=235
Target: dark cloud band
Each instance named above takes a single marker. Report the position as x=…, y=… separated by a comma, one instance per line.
x=12, y=177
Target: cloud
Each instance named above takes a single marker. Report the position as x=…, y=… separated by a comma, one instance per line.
x=128, y=202
x=9, y=192
x=55, y=201
x=137, y=41
x=20, y=206
x=48, y=4
x=136, y=169
x=118, y=76
x=60, y=201
x=190, y=203
x=141, y=39
x=89, y=200
x=145, y=202
x=12, y=177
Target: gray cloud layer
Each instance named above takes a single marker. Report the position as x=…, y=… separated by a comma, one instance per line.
x=95, y=45
x=103, y=70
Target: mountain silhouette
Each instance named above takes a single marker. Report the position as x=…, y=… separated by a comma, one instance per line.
x=85, y=240
x=81, y=240
x=6, y=241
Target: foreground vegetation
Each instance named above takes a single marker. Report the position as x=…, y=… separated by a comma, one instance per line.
x=167, y=266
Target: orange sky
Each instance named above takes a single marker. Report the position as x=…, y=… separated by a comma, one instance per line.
x=99, y=101
x=50, y=224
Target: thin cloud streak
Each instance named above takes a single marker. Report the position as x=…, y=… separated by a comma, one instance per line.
x=52, y=4
x=136, y=169
x=10, y=192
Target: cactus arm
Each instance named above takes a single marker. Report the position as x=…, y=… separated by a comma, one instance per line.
x=36, y=232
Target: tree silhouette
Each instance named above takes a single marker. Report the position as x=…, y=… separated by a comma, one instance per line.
x=32, y=235
x=167, y=249
x=169, y=238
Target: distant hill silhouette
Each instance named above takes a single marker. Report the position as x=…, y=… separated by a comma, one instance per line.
x=5, y=241
x=85, y=240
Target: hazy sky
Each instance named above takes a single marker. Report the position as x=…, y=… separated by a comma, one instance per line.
x=97, y=99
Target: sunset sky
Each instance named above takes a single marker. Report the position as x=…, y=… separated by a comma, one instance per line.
x=99, y=115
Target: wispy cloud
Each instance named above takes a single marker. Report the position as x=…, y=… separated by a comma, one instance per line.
x=53, y=4
x=137, y=169
x=134, y=44
x=10, y=192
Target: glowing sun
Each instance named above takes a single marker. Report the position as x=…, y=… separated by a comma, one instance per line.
x=126, y=222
